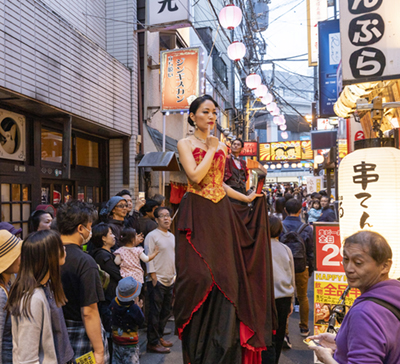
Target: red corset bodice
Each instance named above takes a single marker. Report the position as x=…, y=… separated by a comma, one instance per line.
x=211, y=185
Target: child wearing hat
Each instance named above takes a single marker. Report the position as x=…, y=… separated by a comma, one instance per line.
x=127, y=317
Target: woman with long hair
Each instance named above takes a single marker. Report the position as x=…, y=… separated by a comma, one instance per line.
x=36, y=297
x=224, y=307
x=10, y=250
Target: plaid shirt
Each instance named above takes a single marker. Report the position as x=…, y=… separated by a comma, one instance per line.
x=80, y=341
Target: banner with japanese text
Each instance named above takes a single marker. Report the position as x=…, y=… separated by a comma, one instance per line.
x=250, y=149
x=328, y=247
x=180, y=78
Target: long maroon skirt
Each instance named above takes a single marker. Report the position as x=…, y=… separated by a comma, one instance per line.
x=224, y=308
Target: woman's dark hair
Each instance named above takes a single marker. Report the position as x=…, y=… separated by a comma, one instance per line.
x=127, y=236
x=40, y=254
x=98, y=232
x=159, y=209
x=123, y=193
x=34, y=219
x=316, y=195
x=318, y=202
x=72, y=214
x=275, y=226
x=374, y=244
x=288, y=196
x=149, y=206
x=280, y=205
x=194, y=106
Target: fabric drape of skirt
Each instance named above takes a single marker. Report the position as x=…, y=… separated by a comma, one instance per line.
x=224, y=309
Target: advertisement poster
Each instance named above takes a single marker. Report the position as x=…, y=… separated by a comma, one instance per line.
x=180, y=78
x=250, y=149
x=314, y=184
x=265, y=152
x=283, y=151
x=329, y=58
x=328, y=247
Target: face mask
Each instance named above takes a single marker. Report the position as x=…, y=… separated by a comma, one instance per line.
x=85, y=241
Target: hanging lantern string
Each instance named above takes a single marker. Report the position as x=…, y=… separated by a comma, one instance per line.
x=209, y=56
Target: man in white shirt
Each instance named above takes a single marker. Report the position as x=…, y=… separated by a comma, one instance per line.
x=160, y=280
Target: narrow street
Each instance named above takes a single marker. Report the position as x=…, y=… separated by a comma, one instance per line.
x=299, y=354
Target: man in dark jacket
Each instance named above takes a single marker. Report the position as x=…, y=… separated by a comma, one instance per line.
x=292, y=223
x=328, y=215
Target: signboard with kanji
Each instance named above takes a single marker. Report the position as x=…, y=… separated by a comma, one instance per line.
x=180, y=78
x=168, y=14
x=328, y=247
x=250, y=149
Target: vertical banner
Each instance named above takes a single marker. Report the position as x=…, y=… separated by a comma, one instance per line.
x=370, y=32
x=314, y=184
x=180, y=78
x=317, y=10
x=329, y=59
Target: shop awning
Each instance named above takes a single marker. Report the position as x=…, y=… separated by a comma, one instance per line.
x=160, y=161
x=257, y=167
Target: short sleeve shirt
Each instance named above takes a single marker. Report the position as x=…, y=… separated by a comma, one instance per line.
x=81, y=282
x=130, y=262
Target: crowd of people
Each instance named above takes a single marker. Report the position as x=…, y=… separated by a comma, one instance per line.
x=85, y=281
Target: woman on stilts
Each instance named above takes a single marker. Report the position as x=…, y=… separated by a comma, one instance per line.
x=224, y=308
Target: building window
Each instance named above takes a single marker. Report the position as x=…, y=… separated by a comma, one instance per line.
x=52, y=145
x=16, y=205
x=87, y=153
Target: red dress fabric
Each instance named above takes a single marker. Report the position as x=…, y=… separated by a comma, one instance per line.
x=224, y=249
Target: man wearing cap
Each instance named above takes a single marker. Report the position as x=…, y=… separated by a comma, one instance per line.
x=127, y=317
x=160, y=280
x=10, y=251
x=81, y=282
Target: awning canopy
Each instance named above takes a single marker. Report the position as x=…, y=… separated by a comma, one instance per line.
x=160, y=161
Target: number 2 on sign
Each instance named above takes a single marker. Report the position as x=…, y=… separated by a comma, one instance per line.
x=335, y=251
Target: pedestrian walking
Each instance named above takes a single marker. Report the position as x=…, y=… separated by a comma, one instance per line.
x=38, y=327
x=40, y=220
x=127, y=318
x=160, y=280
x=130, y=254
x=10, y=251
x=81, y=283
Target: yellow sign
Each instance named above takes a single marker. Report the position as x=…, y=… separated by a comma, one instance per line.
x=86, y=359
x=283, y=151
x=265, y=152
x=306, y=151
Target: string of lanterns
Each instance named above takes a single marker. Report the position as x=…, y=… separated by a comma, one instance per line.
x=230, y=17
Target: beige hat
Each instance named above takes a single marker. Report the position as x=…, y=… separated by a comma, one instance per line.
x=10, y=249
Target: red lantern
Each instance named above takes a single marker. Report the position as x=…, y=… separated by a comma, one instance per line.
x=253, y=81
x=230, y=16
x=236, y=51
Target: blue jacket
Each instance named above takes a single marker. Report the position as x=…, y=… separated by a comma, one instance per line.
x=292, y=223
x=328, y=215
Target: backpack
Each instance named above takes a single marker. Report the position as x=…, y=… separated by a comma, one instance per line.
x=295, y=242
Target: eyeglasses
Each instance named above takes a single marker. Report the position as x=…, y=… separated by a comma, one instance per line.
x=122, y=206
x=164, y=216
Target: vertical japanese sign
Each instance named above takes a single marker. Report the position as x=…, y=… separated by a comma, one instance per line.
x=317, y=10
x=314, y=184
x=250, y=149
x=328, y=247
x=370, y=40
x=168, y=14
x=329, y=59
x=180, y=78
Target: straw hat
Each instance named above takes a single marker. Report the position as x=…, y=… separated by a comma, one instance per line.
x=10, y=249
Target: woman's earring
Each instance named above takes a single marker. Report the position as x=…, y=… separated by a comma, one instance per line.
x=195, y=125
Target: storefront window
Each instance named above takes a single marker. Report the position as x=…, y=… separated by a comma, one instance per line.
x=87, y=153
x=51, y=146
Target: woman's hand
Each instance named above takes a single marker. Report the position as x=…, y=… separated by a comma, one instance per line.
x=253, y=196
x=212, y=142
x=327, y=340
x=325, y=355
x=139, y=238
x=139, y=203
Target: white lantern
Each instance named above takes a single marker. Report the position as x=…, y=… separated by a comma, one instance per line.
x=284, y=135
x=276, y=111
x=286, y=165
x=279, y=166
x=253, y=81
x=294, y=165
x=266, y=166
x=267, y=99
x=282, y=127
x=369, y=188
x=271, y=106
x=273, y=166
x=299, y=165
x=319, y=159
x=230, y=16
x=236, y=51
x=277, y=120
x=307, y=165
x=261, y=91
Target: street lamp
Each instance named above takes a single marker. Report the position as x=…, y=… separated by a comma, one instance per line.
x=236, y=51
x=230, y=16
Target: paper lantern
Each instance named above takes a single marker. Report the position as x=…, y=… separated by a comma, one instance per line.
x=271, y=106
x=369, y=187
x=319, y=159
x=284, y=135
x=277, y=120
x=279, y=166
x=261, y=91
x=307, y=165
x=299, y=165
x=276, y=111
x=230, y=16
x=253, y=81
x=286, y=165
x=267, y=99
x=236, y=51
x=282, y=127
x=294, y=165
x=273, y=166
